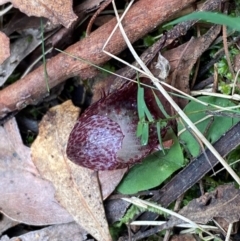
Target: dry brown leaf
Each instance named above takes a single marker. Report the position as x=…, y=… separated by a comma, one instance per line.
x=5, y=48
x=224, y=202
x=183, y=58
x=25, y=196
x=109, y=180
x=77, y=188
x=102, y=20
x=58, y=12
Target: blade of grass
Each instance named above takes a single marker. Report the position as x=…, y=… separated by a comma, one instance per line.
x=139, y=129
x=44, y=59
x=140, y=105
x=217, y=18
x=160, y=106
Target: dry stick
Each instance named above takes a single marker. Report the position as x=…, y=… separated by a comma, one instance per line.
x=196, y=169
x=31, y=88
x=170, y=100
x=102, y=7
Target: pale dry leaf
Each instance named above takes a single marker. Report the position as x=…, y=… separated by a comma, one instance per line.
x=115, y=209
x=5, y=48
x=109, y=180
x=77, y=188
x=5, y=238
x=60, y=232
x=58, y=12
x=6, y=223
x=25, y=196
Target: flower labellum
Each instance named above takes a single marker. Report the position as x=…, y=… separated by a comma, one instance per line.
x=104, y=137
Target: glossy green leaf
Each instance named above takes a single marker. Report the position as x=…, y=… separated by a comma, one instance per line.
x=160, y=106
x=154, y=170
x=218, y=127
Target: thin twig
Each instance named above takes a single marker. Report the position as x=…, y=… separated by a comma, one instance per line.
x=102, y=7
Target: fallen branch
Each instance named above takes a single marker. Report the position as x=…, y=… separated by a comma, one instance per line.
x=137, y=23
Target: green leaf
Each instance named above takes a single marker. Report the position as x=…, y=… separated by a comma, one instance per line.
x=148, y=41
x=147, y=113
x=160, y=106
x=139, y=128
x=154, y=169
x=140, y=105
x=217, y=18
x=145, y=134
x=195, y=111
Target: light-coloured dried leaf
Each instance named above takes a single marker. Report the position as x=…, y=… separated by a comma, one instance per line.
x=5, y=48
x=109, y=180
x=6, y=223
x=77, y=188
x=115, y=209
x=61, y=232
x=58, y=12
x=25, y=196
